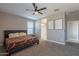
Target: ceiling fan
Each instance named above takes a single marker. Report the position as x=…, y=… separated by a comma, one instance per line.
x=36, y=10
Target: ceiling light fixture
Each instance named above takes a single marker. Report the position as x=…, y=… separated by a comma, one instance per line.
x=35, y=12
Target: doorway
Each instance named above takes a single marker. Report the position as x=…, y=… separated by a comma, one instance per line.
x=43, y=29
x=72, y=31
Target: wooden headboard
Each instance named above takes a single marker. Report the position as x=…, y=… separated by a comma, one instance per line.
x=7, y=32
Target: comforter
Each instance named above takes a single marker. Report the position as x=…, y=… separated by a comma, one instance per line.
x=18, y=41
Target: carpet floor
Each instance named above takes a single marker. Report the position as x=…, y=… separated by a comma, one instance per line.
x=46, y=48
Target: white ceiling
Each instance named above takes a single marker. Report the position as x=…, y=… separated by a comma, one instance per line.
x=19, y=8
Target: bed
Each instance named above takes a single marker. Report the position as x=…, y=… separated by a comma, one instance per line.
x=17, y=43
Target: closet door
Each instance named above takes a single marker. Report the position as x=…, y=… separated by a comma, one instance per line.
x=72, y=31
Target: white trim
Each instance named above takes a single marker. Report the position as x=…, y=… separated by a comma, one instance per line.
x=72, y=41
x=56, y=42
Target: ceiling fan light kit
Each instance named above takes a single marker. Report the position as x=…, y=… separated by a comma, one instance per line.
x=36, y=10
x=36, y=13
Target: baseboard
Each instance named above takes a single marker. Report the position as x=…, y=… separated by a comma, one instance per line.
x=72, y=41
x=56, y=42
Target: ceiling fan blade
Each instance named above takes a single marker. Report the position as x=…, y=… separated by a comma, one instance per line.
x=40, y=12
x=36, y=8
x=34, y=5
x=41, y=9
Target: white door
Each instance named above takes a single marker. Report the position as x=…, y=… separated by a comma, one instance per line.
x=72, y=31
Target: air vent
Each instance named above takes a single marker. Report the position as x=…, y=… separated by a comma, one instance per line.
x=56, y=10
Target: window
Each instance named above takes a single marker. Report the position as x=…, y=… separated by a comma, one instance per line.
x=37, y=27
x=58, y=24
x=30, y=27
x=51, y=24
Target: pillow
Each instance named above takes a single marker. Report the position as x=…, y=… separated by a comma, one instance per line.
x=16, y=34
x=22, y=34
x=12, y=35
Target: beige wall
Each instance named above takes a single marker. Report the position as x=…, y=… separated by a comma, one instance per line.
x=11, y=22
x=72, y=16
